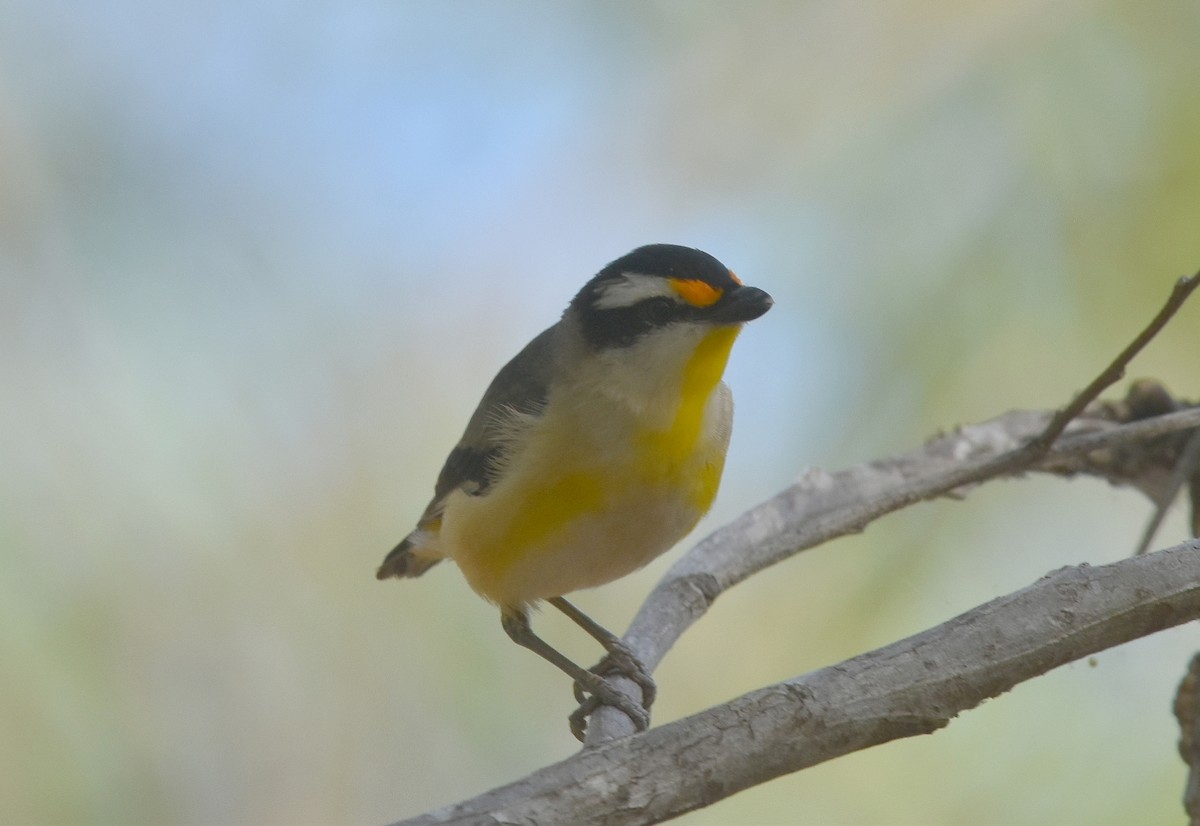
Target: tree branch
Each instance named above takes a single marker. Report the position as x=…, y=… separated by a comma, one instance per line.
x=823, y=506
x=1186, y=472
x=772, y=532
x=1116, y=370
x=914, y=686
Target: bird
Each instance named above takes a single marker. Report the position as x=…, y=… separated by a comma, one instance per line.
x=594, y=450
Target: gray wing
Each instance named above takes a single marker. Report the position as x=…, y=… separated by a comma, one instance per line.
x=519, y=387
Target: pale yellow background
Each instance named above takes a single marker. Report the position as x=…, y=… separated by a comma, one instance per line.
x=257, y=263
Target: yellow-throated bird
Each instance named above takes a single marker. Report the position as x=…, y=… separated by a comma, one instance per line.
x=593, y=451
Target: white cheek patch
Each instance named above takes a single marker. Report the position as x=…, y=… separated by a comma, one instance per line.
x=645, y=376
x=631, y=288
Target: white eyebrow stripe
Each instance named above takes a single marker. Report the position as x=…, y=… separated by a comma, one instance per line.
x=631, y=288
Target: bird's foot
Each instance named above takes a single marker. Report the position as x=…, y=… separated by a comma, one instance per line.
x=603, y=693
x=621, y=662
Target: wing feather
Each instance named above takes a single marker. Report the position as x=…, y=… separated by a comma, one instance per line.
x=518, y=392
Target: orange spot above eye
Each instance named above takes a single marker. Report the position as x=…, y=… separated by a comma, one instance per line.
x=736, y=280
x=695, y=292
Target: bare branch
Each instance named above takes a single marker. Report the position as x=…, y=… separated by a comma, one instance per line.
x=771, y=532
x=1185, y=471
x=1116, y=370
x=911, y=687
x=824, y=506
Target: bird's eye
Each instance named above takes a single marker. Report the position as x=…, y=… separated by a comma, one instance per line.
x=658, y=310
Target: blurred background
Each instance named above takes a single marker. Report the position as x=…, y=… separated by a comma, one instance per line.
x=258, y=262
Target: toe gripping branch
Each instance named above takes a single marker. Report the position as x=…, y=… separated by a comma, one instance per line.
x=592, y=689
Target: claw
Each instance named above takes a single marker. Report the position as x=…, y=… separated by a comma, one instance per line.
x=618, y=662
x=606, y=695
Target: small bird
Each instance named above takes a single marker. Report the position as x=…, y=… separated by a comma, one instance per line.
x=596, y=449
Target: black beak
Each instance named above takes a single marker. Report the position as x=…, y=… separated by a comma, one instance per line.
x=743, y=304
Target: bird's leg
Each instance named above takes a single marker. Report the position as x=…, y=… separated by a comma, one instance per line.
x=619, y=660
x=516, y=624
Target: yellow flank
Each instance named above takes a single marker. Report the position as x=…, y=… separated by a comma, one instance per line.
x=545, y=511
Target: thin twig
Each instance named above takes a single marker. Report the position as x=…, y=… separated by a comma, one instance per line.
x=1116, y=371
x=1185, y=469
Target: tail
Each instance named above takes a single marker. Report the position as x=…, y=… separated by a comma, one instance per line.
x=406, y=560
